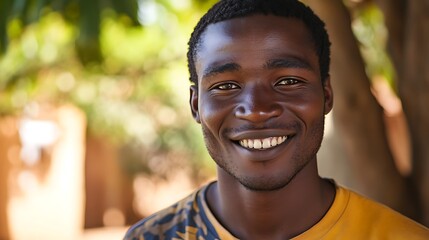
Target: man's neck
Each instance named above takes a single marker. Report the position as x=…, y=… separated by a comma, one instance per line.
x=279, y=214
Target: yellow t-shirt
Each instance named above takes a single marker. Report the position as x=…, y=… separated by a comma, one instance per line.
x=351, y=216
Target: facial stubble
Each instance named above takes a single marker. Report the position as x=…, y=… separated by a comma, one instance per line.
x=301, y=157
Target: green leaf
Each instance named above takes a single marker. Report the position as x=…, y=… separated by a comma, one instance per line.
x=128, y=8
x=87, y=44
x=19, y=7
x=5, y=9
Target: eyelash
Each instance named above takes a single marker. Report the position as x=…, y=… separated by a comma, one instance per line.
x=288, y=80
x=226, y=86
x=230, y=86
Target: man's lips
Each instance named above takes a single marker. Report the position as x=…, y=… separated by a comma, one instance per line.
x=262, y=144
x=262, y=139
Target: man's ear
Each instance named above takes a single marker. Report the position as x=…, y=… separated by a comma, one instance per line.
x=193, y=102
x=329, y=95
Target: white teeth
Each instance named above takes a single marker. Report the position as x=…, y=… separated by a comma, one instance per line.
x=274, y=142
x=266, y=143
x=257, y=144
x=250, y=143
x=261, y=144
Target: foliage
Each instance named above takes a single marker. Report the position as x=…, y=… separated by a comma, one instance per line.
x=131, y=81
x=84, y=14
x=368, y=27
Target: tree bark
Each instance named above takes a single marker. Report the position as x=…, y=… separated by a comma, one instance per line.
x=358, y=116
x=414, y=92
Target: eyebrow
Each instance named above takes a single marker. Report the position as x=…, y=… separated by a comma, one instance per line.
x=214, y=69
x=289, y=62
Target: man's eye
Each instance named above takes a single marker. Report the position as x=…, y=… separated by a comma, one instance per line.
x=226, y=86
x=287, y=81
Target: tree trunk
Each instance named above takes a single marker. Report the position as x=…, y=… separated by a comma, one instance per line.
x=358, y=116
x=408, y=25
x=414, y=91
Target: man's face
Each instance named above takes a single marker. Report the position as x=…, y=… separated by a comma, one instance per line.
x=260, y=100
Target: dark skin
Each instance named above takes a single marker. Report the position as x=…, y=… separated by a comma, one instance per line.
x=261, y=103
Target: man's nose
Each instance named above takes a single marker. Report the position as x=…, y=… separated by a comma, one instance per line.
x=258, y=105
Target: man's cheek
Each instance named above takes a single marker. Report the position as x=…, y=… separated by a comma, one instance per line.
x=213, y=113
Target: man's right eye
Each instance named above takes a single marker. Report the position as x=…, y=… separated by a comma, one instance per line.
x=226, y=86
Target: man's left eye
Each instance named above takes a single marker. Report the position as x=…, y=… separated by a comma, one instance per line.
x=227, y=86
x=287, y=81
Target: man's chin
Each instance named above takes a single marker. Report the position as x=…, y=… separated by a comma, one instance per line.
x=263, y=185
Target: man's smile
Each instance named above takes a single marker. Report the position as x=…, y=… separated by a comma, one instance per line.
x=263, y=139
x=262, y=144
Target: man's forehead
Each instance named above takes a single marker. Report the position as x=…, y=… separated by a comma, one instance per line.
x=260, y=32
x=224, y=31
x=236, y=23
x=213, y=36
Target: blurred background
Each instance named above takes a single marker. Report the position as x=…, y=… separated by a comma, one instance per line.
x=96, y=132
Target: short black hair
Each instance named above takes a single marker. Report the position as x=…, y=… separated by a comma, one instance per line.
x=229, y=9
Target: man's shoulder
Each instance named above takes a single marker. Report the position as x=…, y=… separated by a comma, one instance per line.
x=378, y=219
x=175, y=221
x=162, y=221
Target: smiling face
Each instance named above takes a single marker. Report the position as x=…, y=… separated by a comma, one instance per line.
x=260, y=100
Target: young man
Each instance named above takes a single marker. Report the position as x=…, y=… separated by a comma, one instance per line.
x=261, y=90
